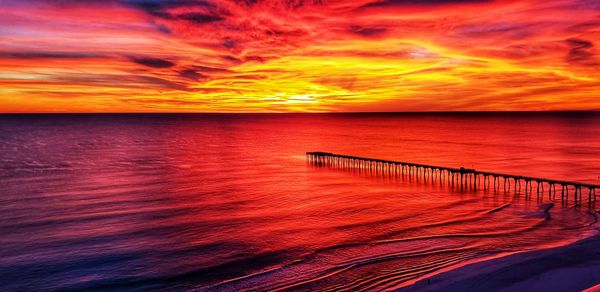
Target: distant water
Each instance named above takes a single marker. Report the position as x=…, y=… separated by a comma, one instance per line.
x=176, y=202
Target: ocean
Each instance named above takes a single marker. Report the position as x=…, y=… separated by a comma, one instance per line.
x=228, y=202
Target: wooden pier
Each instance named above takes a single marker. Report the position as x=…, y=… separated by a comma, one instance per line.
x=461, y=177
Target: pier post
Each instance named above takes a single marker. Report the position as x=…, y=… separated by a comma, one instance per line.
x=468, y=178
x=496, y=181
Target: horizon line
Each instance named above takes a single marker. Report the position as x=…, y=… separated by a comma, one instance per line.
x=283, y=113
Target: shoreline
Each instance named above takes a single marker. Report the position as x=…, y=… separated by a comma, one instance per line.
x=571, y=267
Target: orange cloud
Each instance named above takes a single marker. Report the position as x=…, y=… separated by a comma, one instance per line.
x=298, y=55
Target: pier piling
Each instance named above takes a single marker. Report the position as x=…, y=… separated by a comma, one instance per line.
x=469, y=178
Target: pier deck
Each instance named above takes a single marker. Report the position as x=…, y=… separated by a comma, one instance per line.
x=457, y=176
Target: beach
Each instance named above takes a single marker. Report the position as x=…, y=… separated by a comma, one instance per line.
x=574, y=267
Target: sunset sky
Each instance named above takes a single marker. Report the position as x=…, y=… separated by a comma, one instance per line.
x=298, y=55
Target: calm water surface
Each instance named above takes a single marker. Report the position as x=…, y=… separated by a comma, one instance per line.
x=228, y=202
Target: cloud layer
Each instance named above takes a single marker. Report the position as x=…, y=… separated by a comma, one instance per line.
x=298, y=55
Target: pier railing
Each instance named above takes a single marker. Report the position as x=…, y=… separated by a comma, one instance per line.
x=462, y=177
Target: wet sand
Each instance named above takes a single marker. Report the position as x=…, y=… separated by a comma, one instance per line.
x=574, y=267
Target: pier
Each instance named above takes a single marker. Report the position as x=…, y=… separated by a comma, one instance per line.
x=460, y=177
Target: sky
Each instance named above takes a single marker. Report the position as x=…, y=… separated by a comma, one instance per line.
x=298, y=55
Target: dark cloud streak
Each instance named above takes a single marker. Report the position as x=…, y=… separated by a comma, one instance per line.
x=580, y=51
x=200, y=18
x=367, y=31
x=48, y=55
x=192, y=74
x=153, y=62
x=385, y=3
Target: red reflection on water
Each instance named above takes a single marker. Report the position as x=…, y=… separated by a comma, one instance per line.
x=229, y=200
